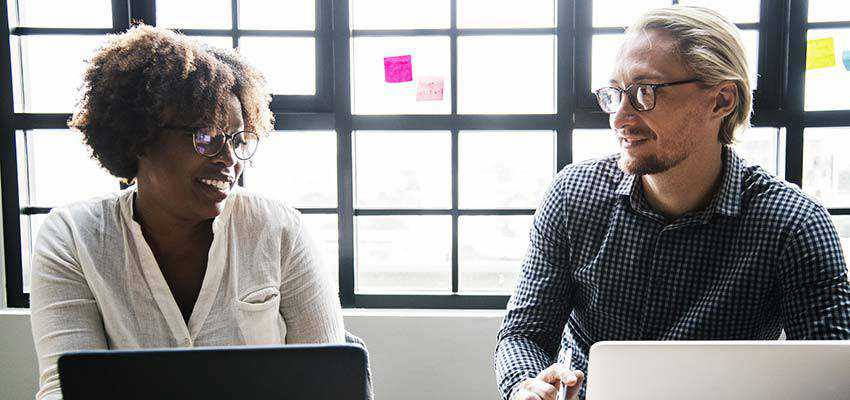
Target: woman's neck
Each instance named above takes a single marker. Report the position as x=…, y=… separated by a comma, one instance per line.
x=165, y=227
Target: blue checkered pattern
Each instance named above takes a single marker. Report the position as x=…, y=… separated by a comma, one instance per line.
x=603, y=265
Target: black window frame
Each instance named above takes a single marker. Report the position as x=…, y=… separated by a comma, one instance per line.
x=778, y=103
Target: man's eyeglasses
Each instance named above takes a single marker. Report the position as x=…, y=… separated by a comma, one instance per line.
x=209, y=143
x=641, y=95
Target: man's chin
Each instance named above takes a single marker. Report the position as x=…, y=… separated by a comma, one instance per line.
x=646, y=165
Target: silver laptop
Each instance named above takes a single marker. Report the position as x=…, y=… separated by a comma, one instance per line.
x=751, y=370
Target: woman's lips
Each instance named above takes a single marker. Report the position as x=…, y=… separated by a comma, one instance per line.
x=217, y=189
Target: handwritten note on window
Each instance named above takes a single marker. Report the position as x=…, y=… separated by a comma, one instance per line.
x=429, y=88
x=820, y=53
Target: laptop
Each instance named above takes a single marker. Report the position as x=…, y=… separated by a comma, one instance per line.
x=291, y=372
x=751, y=370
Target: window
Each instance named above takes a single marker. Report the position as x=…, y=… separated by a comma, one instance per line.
x=828, y=69
x=287, y=41
x=417, y=137
x=504, y=169
x=826, y=125
x=490, y=83
x=826, y=169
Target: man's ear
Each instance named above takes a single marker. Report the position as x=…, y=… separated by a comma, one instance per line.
x=726, y=99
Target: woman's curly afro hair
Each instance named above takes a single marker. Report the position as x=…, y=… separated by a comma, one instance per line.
x=148, y=78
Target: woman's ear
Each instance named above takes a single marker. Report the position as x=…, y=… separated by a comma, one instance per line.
x=726, y=99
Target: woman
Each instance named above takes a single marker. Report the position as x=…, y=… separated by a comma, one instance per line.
x=183, y=258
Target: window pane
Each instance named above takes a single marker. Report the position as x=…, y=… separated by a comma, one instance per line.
x=289, y=64
x=606, y=46
x=829, y=10
x=827, y=87
x=402, y=169
x=738, y=11
x=764, y=147
x=30, y=225
x=400, y=14
x=410, y=253
x=296, y=167
x=277, y=14
x=373, y=95
x=751, y=47
x=842, y=224
x=325, y=232
x=77, y=177
x=622, y=12
x=223, y=42
x=489, y=82
x=603, y=56
x=826, y=167
x=65, y=14
x=593, y=143
x=53, y=67
x=491, y=249
x=194, y=14
x=504, y=169
x=505, y=13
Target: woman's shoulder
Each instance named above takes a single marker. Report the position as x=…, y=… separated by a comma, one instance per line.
x=83, y=219
x=254, y=207
x=93, y=209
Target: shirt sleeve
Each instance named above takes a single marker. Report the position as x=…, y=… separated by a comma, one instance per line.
x=64, y=314
x=309, y=295
x=815, y=302
x=540, y=305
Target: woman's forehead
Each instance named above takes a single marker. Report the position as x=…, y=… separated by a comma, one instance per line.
x=234, y=113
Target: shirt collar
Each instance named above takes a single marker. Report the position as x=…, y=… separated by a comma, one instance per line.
x=727, y=199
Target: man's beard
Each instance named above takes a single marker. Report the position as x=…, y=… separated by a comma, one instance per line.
x=649, y=165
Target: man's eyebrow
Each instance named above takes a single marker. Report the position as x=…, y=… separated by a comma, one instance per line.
x=647, y=77
x=639, y=78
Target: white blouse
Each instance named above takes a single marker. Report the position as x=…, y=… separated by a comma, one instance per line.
x=96, y=284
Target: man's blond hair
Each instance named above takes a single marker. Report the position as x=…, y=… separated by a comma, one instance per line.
x=710, y=46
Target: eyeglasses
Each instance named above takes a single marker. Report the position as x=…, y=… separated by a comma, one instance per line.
x=641, y=95
x=210, y=144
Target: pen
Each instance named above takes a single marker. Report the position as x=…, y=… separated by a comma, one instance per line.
x=567, y=357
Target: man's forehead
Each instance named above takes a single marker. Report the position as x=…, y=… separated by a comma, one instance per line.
x=646, y=55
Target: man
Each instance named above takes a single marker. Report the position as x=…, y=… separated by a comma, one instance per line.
x=675, y=238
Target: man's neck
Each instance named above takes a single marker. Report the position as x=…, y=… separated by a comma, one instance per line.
x=686, y=187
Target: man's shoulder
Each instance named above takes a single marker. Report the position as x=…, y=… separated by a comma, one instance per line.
x=594, y=179
x=768, y=197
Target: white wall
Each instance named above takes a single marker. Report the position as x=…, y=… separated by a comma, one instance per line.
x=18, y=378
x=415, y=354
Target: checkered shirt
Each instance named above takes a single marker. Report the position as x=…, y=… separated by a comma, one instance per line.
x=761, y=258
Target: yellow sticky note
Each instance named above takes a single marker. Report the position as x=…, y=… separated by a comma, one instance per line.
x=820, y=53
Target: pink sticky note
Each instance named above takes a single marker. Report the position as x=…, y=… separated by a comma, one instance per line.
x=429, y=88
x=398, y=69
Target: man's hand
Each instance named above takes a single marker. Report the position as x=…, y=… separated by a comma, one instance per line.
x=545, y=385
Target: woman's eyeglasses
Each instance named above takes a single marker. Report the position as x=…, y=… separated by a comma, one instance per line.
x=209, y=143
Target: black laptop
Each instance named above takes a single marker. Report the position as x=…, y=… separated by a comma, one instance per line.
x=291, y=372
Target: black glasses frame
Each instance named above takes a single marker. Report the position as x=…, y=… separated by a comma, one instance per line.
x=631, y=92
